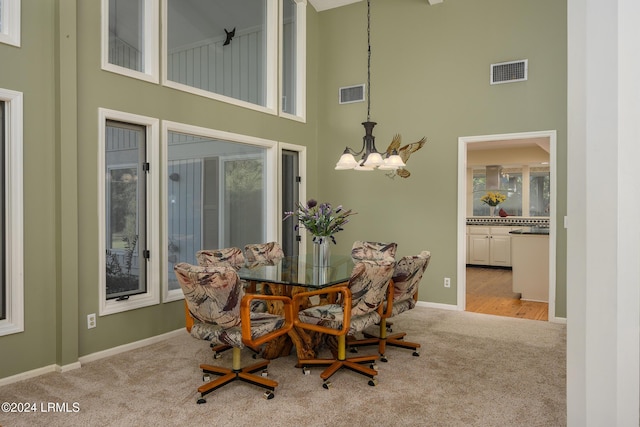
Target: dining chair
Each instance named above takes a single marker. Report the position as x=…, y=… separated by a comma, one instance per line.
x=263, y=252
x=372, y=251
x=406, y=279
x=359, y=305
x=231, y=256
x=217, y=310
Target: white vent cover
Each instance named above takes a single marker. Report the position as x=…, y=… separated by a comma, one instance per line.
x=351, y=94
x=508, y=72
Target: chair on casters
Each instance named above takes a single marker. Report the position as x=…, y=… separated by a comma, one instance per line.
x=217, y=310
x=406, y=280
x=359, y=305
x=213, y=257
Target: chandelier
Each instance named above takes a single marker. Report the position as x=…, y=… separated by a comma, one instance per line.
x=371, y=157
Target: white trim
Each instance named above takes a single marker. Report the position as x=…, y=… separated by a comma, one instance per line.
x=451, y=307
x=462, y=210
x=28, y=375
x=151, y=44
x=10, y=22
x=130, y=346
x=152, y=296
x=14, y=227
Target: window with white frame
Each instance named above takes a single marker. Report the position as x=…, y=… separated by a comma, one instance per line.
x=292, y=58
x=130, y=44
x=11, y=232
x=129, y=252
x=220, y=191
x=223, y=49
x=10, y=22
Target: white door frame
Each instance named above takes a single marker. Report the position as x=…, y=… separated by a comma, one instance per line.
x=462, y=210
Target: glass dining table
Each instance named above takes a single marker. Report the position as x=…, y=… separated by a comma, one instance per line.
x=288, y=276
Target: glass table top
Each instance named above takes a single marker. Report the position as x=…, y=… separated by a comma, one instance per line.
x=300, y=271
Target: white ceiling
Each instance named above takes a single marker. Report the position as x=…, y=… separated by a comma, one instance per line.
x=321, y=5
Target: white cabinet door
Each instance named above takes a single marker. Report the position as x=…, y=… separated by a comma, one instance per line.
x=500, y=251
x=479, y=249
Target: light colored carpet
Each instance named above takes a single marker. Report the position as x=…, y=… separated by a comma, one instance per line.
x=473, y=370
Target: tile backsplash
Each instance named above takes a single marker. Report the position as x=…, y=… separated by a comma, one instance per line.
x=508, y=221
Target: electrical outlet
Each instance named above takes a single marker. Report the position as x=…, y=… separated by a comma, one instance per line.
x=91, y=321
x=447, y=282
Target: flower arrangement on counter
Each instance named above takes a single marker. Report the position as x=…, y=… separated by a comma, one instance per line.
x=493, y=198
x=321, y=220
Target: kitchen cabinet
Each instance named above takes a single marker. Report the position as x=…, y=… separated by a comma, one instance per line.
x=531, y=266
x=489, y=246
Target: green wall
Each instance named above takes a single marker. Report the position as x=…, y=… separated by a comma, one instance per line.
x=430, y=77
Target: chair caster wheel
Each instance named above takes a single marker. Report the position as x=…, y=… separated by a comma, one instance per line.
x=416, y=354
x=326, y=385
x=268, y=395
x=389, y=329
x=353, y=349
x=201, y=401
x=383, y=359
x=306, y=371
x=265, y=373
x=374, y=366
x=255, y=355
x=217, y=355
x=206, y=378
x=373, y=382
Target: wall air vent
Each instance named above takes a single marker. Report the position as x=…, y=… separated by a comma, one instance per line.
x=509, y=72
x=351, y=94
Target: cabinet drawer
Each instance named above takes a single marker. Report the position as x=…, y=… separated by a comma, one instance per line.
x=479, y=230
x=500, y=231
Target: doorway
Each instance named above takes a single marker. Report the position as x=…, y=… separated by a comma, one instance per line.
x=465, y=201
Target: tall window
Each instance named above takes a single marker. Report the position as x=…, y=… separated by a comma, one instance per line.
x=126, y=218
x=130, y=38
x=11, y=214
x=10, y=22
x=218, y=194
x=292, y=57
x=223, y=49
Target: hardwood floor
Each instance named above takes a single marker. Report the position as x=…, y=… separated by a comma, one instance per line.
x=489, y=292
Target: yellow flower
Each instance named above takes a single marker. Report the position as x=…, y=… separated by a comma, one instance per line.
x=493, y=198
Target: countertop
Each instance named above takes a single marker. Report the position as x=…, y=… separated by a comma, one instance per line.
x=531, y=230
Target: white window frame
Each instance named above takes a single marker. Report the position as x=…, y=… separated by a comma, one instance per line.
x=271, y=66
x=14, y=225
x=152, y=296
x=301, y=61
x=151, y=44
x=10, y=22
x=271, y=182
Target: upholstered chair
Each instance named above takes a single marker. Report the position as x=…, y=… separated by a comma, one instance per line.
x=263, y=252
x=230, y=256
x=359, y=305
x=373, y=251
x=217, y=310
x=406, y=281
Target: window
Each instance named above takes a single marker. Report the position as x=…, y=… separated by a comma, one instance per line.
x=11, y=214
x=223, y=49
x=130, y=38
x=128, y=193
x=10, y=22
x=539, y=191
x=220, y=193
x=292, y=57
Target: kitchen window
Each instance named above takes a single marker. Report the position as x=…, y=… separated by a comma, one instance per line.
x=129, y=252
x=10, y=22
x=11, y=214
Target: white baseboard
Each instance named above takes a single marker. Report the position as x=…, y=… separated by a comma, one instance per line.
x=127, y=347
x=88, y=358
x=437, y=305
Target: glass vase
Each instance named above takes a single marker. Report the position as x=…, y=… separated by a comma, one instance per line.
x=321, y=252
x=492, y=211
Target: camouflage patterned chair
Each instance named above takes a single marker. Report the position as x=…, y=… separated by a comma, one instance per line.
x=359, y=306
x=373, y=251
x=229, y=256
x=406, y=281
x=217, y=310
x=263, y=252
